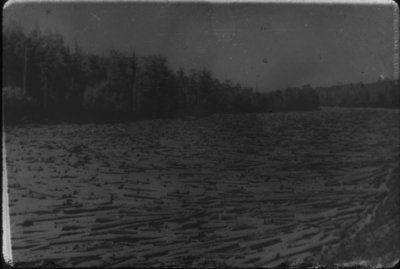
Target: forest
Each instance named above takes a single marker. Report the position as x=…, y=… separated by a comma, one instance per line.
x=43, y=79
x=46, y=80
x=382, y=93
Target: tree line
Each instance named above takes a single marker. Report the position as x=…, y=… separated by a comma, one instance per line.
x=381, y=93
x=43, y=78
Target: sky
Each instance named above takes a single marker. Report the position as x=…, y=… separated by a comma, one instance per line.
x=266, y=46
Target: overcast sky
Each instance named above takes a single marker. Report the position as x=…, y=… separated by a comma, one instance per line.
x=266, y=46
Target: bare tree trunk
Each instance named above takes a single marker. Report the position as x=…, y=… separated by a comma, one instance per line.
x=134, y=107
x=45, y=99
x=72, y=84
x=43, y=70
x=25, y=69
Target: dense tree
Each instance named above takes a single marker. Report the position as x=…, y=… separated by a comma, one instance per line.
x=156, y=87
x=382, y=93
x=60, y=83
x=14, y=52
